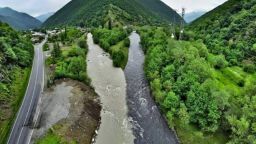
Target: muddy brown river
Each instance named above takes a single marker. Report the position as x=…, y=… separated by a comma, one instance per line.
x=110, y=84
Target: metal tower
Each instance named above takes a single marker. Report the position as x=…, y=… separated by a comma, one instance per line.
x=182, y=24
x=173, y=24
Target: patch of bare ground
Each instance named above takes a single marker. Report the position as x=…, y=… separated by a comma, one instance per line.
x=83, y=107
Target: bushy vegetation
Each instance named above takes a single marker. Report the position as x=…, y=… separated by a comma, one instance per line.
x=16, y=53
x=115, y=42
x=230, y=30
x=46, y=47
x=201, y=94
x=70, y=62
x=52, y=138
x=67, y=35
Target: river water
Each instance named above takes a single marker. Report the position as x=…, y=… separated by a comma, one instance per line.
x=110, y=85
x=149, y=127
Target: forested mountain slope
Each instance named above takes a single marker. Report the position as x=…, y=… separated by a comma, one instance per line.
x=230, y=30
x=18, y=20
x=16, y=53
x=98, y=13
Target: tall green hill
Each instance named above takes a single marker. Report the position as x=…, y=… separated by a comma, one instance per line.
x=230, y=30
x=98, y=13
x=18, y=20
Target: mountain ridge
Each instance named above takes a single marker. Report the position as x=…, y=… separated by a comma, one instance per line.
x=18, y=20
x=91, y=12
x=44, y=17
x=192, y=16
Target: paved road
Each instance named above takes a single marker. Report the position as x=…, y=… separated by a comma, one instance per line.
x=24, y=120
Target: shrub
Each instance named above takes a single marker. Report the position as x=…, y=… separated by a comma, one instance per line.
x=254, y=48
x=117, y=57
x=219, y=62
x=127, y=42
x=46, y=47
x=82, y=43
x=249, y=67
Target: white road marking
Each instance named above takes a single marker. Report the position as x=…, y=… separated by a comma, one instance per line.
x=29, y=139
x=22, y=101
x=30, y=100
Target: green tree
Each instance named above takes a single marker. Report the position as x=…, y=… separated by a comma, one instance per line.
x=249, y=66
x=10, y=54
x=127, y=42
x=56, y=52
x=203, y=107
x=254, y=48
x=75, y=67
x=156, y=87
x=117, y=57
x=46, y=47
x=239, y=127
x=82, y=43
x=219, y=62
x=183, y=115
x=110, y=24
x=171, y=102
x=170, y=117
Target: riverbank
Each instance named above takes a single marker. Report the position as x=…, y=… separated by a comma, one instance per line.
x=70, y=112
x=70, y=108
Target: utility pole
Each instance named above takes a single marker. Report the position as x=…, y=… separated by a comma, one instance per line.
x=172, y=30
x=182, y=24
x=173, y=24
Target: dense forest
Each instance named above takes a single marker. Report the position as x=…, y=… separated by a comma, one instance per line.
x=114, y=41
x=16, y=53
x=204, y=96
x=230, y=30
x=97, y=13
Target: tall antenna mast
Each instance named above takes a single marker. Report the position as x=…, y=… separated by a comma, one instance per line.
x=182, y=24
x=174, y=24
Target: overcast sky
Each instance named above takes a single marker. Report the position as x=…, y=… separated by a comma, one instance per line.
x=37, y=7
x=193, y=5
x=34, y=7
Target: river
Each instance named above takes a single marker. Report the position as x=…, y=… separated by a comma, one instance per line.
x=110, y=85
x=129, y=114
x=149, y=126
